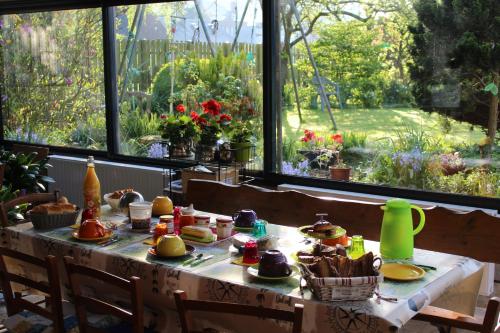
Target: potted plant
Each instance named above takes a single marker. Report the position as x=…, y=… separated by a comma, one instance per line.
x=339, y=170
x=211, y=124
x=312, y=145
x=241, y=141
x=180, y=131
x=24, y=173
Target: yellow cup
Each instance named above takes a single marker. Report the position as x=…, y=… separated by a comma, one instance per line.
x=162, y=205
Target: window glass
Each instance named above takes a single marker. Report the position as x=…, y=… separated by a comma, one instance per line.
x=390, y=93
x=189, y=78
x=52, y=81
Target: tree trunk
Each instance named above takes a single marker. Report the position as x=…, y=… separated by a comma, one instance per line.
x=493, y=119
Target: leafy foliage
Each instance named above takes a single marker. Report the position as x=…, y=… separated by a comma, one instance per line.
x=23, y=172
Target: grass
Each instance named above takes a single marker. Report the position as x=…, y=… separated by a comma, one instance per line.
x=378, y=123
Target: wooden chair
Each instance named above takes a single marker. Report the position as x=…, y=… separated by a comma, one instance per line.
x=42, y=152
x=184, y=305
x=16, y=303
x=445, y=318
x=135, y=316
x=33, y=198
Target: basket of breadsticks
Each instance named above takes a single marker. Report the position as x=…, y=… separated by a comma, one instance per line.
x=332, y=276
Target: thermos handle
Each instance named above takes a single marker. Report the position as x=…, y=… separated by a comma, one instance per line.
x=422, y=219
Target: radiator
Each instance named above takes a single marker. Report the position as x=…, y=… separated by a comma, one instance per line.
x=69, y=173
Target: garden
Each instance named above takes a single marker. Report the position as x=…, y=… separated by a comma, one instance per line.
x=362, y=98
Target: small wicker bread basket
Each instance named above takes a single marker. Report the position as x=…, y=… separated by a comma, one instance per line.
x=341, y=288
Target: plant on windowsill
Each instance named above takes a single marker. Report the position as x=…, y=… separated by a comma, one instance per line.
x=180, y=131
x=241, y=141
x=211, y=124
x=339, y=170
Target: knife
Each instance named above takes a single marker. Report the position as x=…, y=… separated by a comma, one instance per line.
x=110, y=241
x=196, y=263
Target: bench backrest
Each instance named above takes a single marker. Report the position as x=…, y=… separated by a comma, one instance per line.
x=474, y=234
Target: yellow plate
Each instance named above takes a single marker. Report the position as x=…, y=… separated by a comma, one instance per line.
x=401, y=272
x=107, y=235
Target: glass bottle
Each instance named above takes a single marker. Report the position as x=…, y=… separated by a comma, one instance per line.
x=92, y=189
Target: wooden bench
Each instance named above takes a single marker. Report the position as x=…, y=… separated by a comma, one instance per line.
x=473, y=234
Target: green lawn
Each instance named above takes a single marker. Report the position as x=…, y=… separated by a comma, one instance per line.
x=378, y=123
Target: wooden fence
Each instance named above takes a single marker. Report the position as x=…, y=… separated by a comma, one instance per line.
x=150, y=55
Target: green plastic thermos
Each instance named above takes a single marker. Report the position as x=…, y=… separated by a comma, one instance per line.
x=396, y=236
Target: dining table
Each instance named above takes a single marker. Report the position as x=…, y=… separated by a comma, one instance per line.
x=453, y=283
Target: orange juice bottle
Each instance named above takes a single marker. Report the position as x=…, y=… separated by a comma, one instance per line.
x=92, y=189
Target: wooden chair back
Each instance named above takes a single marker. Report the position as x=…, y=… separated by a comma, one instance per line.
x=134, y=316
x=14, y=300
x=487, y=324
x=184, y=306
x=33, y=198
x=472, y=234
x=42, y=152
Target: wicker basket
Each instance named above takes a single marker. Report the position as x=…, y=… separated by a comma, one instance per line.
x=51, y=221
x=341, y=289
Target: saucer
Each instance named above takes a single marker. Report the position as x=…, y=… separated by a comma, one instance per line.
x=254, y=271
x=189, y=249
x=107, y=235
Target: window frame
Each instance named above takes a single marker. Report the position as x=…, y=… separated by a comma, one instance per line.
x=271, y=99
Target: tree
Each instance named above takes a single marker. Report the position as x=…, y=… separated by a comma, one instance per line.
x=457, y=57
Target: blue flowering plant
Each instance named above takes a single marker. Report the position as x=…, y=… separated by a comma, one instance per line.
x=295, y=169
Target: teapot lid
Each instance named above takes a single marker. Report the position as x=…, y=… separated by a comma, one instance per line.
x=322, y=217
x=187, y=210
x=397, y=203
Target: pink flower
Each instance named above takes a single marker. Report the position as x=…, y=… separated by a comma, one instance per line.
x=68, y=81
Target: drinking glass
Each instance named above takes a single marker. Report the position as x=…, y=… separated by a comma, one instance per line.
x=250, y=253
x=259, y=229
x=140, y=214
x=357, y=247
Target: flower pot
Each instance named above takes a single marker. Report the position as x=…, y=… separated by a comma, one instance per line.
x=225, y=153
x=340, y=173
x=241, y=151
x=205, y=153
x=181, y=149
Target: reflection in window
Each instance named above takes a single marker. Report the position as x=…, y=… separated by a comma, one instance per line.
x=52, y=85
x=378, y=93
x=189, y=74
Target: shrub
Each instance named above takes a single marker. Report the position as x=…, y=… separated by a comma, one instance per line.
x=90, y=134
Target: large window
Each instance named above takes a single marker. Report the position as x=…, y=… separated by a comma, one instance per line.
x=391, y=92
x=189, y=73
x=52, y=78
x=395, y=97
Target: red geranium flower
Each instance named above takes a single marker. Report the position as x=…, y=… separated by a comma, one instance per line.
x=194, y=115
x=180, y=108
x=163, y=116
x=225, y=117
x=212, y=107
x=337, y=138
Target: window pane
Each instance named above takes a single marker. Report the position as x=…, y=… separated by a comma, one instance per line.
x=53, y=82
x=392, y=93
x=203, y=82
